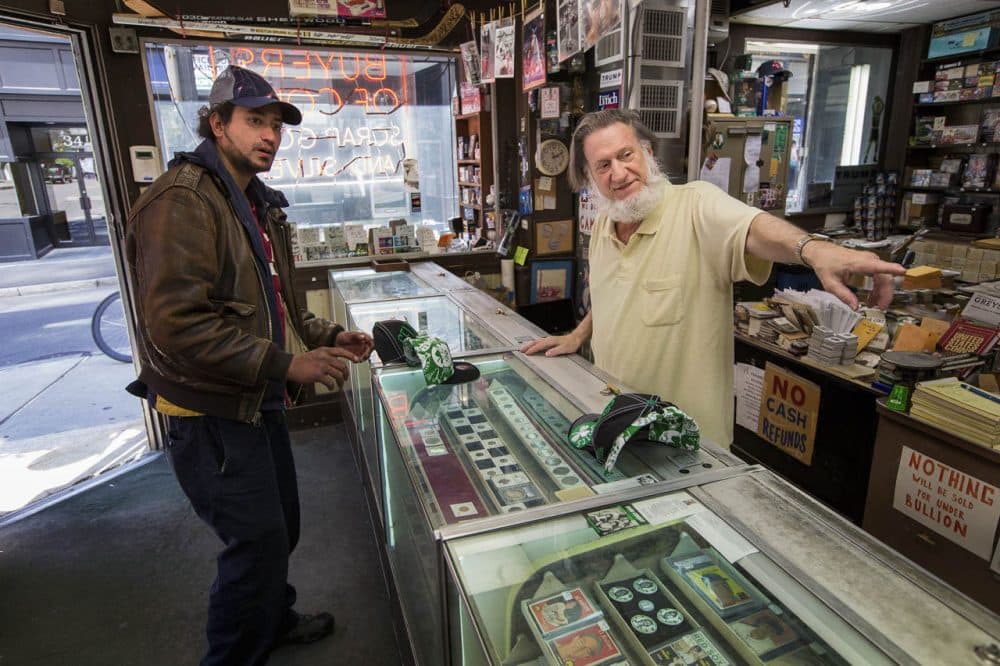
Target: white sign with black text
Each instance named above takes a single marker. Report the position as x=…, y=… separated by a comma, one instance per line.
x=983, y=307
x=612, y=79
x=954, y=504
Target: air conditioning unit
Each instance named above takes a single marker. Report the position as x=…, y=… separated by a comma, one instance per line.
x=661, y=53
x=718, y=21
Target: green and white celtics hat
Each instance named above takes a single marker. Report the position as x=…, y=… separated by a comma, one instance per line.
x=434, y=356
x=633, y=417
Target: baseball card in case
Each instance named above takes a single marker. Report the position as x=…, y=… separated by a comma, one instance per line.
x=614, y=519
x=713, y=581
x=765, y=633
x=556, y=614
x=694, y=648
x=590, y=645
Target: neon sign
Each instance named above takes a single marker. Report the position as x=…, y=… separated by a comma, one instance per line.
x=344, y=78
x=331, y=87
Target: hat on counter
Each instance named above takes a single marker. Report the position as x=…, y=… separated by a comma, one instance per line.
x=388, y=336
x=775, y=69
x=633, y=417
x=250, y=90
x=401, y=342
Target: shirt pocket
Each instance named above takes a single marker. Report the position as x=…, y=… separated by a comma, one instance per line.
x=662, y=300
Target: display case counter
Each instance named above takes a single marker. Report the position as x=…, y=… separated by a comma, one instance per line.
x=496, y=446
x=737, y=570
x=439, y=277
x=364, y=285
x=498, y=316
x=436, y=315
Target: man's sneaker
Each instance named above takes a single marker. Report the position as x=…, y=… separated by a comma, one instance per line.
x=309, y=629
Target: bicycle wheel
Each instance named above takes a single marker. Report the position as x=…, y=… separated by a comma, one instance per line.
x=110, y=330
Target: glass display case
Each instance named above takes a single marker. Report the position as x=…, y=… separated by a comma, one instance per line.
x=496, y=446
x=435, y=315
x=363, y=285
x=439, y=277
x=666, y=579
x=498, y=316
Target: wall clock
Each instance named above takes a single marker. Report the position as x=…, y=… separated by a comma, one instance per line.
x=553, y=157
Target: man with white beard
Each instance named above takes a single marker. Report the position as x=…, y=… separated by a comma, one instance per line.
x=663, y=259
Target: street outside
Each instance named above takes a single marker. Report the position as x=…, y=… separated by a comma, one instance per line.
x=64, y=412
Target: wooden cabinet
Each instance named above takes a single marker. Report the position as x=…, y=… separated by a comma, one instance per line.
x=960, y=479
x=474, y=157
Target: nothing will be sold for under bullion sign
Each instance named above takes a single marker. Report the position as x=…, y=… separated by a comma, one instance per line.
x=954, y=504
x=789, y=409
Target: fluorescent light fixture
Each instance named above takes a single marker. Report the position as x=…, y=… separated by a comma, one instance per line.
x=763, y=48
x=854, y=118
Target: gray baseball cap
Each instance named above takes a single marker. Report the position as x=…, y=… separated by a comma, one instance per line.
x=251, y=91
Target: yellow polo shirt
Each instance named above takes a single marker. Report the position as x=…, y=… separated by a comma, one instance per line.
x=663, y=304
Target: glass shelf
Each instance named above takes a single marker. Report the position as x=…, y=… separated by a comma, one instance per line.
x=365, y=284
x=496, y=445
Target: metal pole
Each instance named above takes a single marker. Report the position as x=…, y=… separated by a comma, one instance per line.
x=699, y=51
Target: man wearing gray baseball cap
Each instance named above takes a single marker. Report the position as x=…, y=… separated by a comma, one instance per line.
x=222, y=341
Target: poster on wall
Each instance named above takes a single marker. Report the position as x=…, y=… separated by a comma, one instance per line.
x=343, y=8
x=597, y=18
x=503, y=58
x=486, y=52
x=956, y=505
x=587, y=212
x=533, y=51
x=470, y=62
x=568, y=28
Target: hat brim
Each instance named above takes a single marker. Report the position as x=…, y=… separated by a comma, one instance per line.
x=464, y=372
x=290, y=113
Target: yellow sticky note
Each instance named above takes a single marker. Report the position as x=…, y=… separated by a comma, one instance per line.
x=866, y=330
x=520, y=255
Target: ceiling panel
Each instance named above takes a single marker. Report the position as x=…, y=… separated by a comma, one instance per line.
x=862, y=15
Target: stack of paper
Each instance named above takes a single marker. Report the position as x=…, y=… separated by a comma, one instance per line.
x=959, y=408
x=832, y=313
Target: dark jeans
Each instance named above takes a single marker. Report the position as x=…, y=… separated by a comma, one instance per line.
x=241, y=480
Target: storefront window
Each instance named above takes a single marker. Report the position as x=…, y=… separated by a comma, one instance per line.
x=365, y=114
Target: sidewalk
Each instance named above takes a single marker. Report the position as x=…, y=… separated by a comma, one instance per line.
x=60, y=269
x=65, y=417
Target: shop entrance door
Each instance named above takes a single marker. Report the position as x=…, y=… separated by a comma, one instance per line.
x=65, y=417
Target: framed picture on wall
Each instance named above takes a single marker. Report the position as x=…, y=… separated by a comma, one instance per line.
x=554, y=237
x=551, y=280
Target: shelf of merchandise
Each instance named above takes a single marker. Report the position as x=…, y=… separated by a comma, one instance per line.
x=478, y=125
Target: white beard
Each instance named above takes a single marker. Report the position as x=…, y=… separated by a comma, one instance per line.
x=634, y=209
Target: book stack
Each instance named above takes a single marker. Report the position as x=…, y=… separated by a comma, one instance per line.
x=959, y=408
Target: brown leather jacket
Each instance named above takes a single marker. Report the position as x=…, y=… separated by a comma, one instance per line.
x=204, y=330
